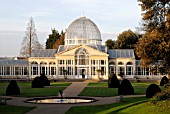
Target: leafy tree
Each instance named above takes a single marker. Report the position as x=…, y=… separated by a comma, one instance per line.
x=110, y=43
x=155, y=43
x=52, y=39
x=126, y=40
x=30, y=40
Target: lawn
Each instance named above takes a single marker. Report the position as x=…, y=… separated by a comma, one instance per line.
x=109, y=108
x=101, y=89
x=7, y=109
x=139, y=105
x=27, y=91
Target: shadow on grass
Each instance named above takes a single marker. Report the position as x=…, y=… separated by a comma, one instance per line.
x=127, y=106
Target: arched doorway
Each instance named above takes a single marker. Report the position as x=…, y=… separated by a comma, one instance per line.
x=81, y=63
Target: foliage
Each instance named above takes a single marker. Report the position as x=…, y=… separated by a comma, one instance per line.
x=44, y=80
x=152, y=90
x=13, y=88
x=126, y=40
x=155, y=43
x=59, y=41
x=113, y=81
x=125, y=88
x=55, y=39
x=164, y=81
x=30, y=40
x=37, y=83
x=110, y=43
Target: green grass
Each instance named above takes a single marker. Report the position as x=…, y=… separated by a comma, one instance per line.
x=7, y=109
x=27, y=91
x=139, y=105
x=99, y=92
x=99, y=84
x=101, y=89
x=114, y=108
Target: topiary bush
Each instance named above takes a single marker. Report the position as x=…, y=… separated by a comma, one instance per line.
x=113, y=81
x=13, y=88
x=37, y=83
x=164, y=81
x=152, y=90
x=125, y=88
x=44, y=80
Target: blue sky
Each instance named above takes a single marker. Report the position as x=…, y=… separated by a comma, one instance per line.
x=111, y=16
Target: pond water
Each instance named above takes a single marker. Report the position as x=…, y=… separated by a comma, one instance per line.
x=73, y=100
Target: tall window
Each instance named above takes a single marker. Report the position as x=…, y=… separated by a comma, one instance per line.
x=129, y=68
x=34, y=67
x=52, y=70
x=121, y=69
x=43, y=68
x=81, y=57
x=112, y=67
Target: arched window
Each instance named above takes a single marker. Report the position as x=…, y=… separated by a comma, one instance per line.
x=81, y=57
x=43, y=68
x=52, y=69
x=121, y=69
x=34, y=68
x=129, y=68
x=112, y=67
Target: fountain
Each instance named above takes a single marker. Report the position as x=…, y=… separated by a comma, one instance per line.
x=60, y=100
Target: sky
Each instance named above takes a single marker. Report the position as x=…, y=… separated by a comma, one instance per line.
x=111, y=16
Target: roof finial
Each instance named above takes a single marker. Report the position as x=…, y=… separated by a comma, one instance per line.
x=83, y=14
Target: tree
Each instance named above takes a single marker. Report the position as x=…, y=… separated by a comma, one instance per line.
x=30, y=40
x=110, y=43
x=126, y=40
x=52, y=39
x=155, y=43
x=59, y=41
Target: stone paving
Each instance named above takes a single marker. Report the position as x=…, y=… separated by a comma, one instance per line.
x=72, y=91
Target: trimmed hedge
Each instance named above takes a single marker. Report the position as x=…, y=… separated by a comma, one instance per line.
x=164, y=81
x=13, y=88
x=113, y=81
x=125, y=88
x=44, y=80
x=152, y=90
x=37, y=83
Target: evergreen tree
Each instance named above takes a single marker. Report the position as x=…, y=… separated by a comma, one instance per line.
x=52, y=39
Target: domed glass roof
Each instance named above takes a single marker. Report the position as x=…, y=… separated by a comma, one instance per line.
x=82, y=31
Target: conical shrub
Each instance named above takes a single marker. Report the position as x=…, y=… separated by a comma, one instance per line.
x=125, y=88
x=37, y=83
x=113, y=81
x=44, y=80
x=13, y=88
x=152, y=90
x=164, y=81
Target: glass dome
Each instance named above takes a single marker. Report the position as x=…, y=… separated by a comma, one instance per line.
x=82, y=31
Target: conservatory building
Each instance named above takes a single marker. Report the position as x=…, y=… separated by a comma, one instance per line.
x=82, y=56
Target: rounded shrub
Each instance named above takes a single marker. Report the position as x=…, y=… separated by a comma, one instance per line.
x=13, y=88
x=37, y=83
x=113, y=81
x=152, y=90
x=44, y=80
x=125, y=88
x=164, y=81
